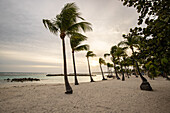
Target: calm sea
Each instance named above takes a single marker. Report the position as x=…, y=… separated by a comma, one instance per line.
x=43, y=78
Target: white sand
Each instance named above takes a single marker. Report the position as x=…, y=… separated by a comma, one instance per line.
x=111, y=96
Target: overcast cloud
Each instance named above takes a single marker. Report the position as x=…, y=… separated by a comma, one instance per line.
x=26, y=46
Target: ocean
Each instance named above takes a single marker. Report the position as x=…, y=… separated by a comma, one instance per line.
x=43, y=78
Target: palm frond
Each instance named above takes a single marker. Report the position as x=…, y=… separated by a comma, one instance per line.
x=76, y=39
x=49, y=25
x=82, y=47
x=113, y=49
x=69, y=15
x=85, y=26
x=102, y=61
x=90, y=54
x=106, y=54
x=77, y=35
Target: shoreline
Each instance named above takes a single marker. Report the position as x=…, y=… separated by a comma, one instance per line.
x=112, y=95
x=86, y=75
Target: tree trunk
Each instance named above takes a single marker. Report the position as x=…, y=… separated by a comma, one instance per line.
x=143, y=78
x=145, y=84
x=111, y=72
x=74, y=65
x=90, y=70
x=108, y=71
x=102, y=72
x=116, y=71
x=123, y=76
x=67, y=85
x=127, y=72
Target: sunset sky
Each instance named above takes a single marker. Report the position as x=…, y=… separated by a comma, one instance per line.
x=26, y=46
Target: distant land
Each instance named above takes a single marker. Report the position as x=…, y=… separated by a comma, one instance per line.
x=71, y=74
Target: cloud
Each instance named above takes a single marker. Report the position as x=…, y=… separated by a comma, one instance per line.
x=25, y=44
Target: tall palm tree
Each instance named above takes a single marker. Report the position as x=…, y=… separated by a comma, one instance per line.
x=66, y=23
x=131, y=42
x=90, y=54
x=75, y=42
x=101, y=61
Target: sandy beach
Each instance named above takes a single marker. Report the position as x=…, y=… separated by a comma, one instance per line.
x=111, y=96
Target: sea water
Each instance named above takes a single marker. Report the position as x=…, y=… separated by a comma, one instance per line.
x=43, y=78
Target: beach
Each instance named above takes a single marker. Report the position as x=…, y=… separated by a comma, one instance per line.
x=111, y=96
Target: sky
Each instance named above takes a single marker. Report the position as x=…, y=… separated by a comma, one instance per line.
x=27, y=46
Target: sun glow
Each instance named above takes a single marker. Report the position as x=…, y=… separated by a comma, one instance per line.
x=94, y=63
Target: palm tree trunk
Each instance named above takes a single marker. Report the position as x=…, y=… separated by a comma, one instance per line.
x=102, y=72
x=127, y=72
x=137, y=66
x=111, y=72
x=116, y=71
x=67, y=85
x=108, y=71
x=143, y=78
x=145, y=84
x=74, y=65
x=89, y=70
x=123, y=76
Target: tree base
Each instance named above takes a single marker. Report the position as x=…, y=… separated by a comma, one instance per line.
x=69, y=92
x=146, y=86
x=92, y=81
x=104, y=79
x=118, y=78
x=76, y=83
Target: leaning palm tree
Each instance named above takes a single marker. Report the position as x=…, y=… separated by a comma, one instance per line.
x=90, y=54
x=113, y=58
x=75, y=42
x=66, y=23
x=131, y=42
x=101, y=61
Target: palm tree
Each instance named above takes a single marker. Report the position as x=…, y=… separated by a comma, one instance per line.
x=75, y=42
x=65, y=23
x=131, y=42
x=108, y=68
x=120, y=53
x=90, y=54
x=112, y=52
x=101, y=61
x=127, y=62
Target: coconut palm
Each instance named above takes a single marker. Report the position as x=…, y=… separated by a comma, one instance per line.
x=101, y=61
x=131, y=42
x=75, y=42
x=112, y=52
x=64, y=24
x=90, y=54
x=127, y=63
x=108, y=68
x=121, y=53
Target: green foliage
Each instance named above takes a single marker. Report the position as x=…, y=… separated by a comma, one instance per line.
x=75, y=42
x=102, y=61
x=154, y=45
x=164, y=61
x=66, y=22
x=82, y=47
x=90, y=54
